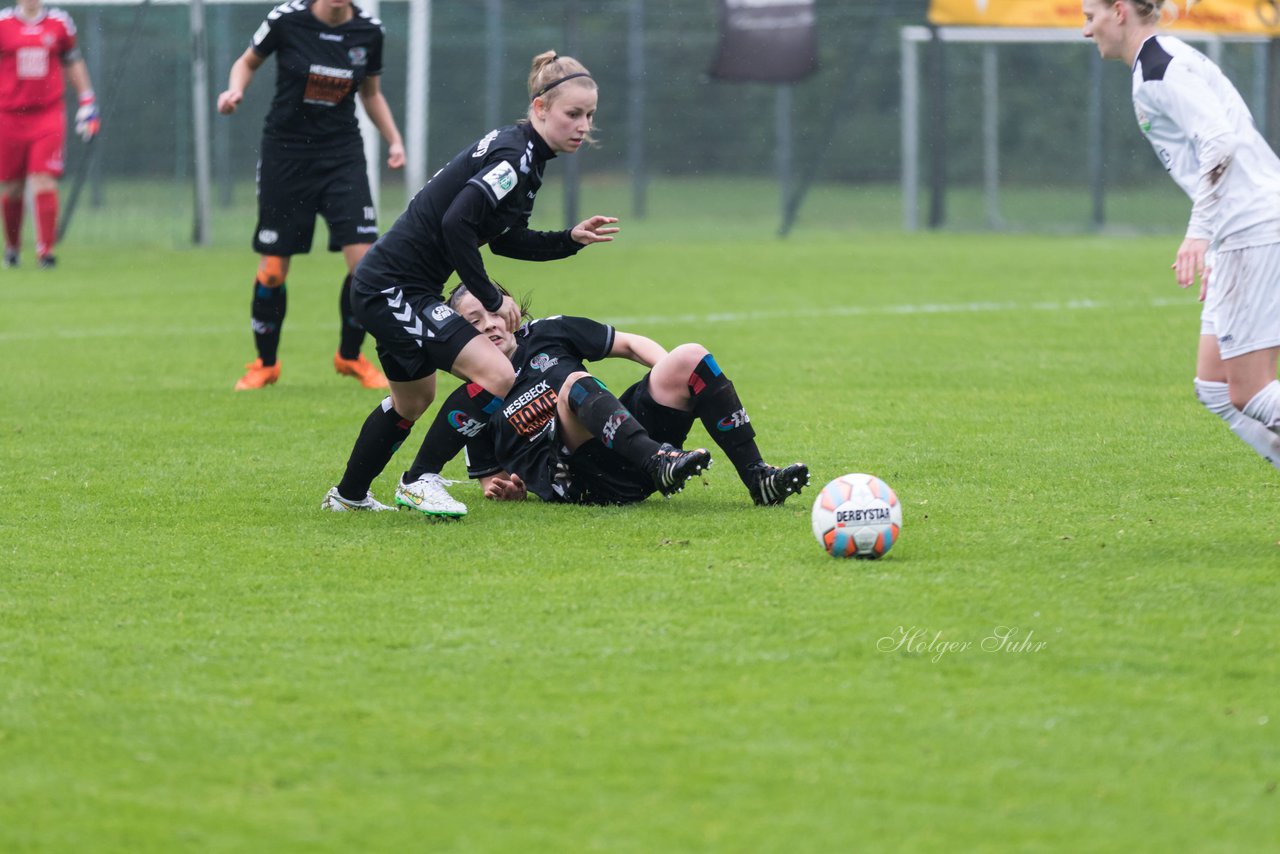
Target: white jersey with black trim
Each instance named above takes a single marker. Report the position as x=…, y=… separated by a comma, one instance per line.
x=1204, y=134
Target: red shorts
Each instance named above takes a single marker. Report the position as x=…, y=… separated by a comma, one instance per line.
x=32, y=143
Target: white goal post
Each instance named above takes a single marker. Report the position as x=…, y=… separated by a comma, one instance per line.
x=989, y=38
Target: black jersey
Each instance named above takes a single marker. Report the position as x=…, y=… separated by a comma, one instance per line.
x=520, y=436
x=485, y=194
x=319, y=69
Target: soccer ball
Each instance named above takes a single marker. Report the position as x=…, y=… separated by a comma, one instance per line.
x=857, y=515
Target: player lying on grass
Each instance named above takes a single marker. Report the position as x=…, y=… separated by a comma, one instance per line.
x=563, y=436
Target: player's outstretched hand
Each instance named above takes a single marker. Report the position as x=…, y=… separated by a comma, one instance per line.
x=395, y=156
x=594, y=230
x=229, y=100
x=505, y=489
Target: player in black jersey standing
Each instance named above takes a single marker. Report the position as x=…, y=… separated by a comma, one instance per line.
x=312, y=162
x=484, y=195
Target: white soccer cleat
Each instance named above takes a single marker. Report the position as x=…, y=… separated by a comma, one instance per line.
x=337, y=504
x=428, y=495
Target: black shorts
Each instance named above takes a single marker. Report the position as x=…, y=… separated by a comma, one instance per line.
x=597, y=475
x=291, y=192
x=416, y=334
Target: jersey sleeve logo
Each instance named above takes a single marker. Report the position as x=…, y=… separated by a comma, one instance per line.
x=501, y=178
x=327, y=86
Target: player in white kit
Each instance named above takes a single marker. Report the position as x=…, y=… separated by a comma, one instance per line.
x=1204, y=135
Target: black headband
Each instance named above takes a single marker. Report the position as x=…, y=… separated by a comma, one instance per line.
x=554, y=83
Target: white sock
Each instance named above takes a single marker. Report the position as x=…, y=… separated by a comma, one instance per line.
x=1265, y=406
x=1216, y=399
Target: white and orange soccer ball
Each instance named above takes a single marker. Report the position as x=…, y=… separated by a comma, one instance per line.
x=857, y=515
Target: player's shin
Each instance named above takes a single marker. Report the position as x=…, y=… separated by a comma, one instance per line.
x=352, y=335
x=267, y=311
x=46, y=205
x=1217, y=400
x=715, y=402
x=380, y=437
x=604, y=416
x=463, y=414
x=12, y=205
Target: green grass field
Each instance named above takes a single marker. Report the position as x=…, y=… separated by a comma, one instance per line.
x=194, y=657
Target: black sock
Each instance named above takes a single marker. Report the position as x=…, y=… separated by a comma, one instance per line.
x=352, y=329
x=716, y=403
x=380, y=437
x=267, y=312
x=461, y=416
x=608, y=420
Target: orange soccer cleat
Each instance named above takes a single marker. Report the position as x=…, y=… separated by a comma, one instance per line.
x=258, y=376
x=360, y=368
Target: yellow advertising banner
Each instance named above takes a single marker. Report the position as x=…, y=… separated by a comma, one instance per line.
x=1249, y=17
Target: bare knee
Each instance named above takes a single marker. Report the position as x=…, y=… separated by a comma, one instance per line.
x=686, y=357
x=412, y=400
x=669, y=379
x=43, y=182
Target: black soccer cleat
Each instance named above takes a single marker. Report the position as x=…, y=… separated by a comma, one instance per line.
x=670, y=467
x=47, y=262
x=769, y=485
x=10, y=258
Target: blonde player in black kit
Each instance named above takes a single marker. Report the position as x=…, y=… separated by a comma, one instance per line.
x=484, y=195
x=312, y=162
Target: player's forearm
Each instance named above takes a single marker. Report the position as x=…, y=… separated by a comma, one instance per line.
x=241, y=75
x=525, y=244
x=78, y=75
x=637, y=348
x=1216, y=155
x=460, y=229
x=380, y=114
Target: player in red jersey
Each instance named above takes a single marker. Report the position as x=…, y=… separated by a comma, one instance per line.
x=37, y=48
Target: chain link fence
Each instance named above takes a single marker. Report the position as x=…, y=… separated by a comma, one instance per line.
x=728, y=149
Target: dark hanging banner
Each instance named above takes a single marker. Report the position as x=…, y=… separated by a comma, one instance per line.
x=766, y=41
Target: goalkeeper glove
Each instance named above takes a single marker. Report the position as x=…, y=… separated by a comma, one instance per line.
x=87, y=123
